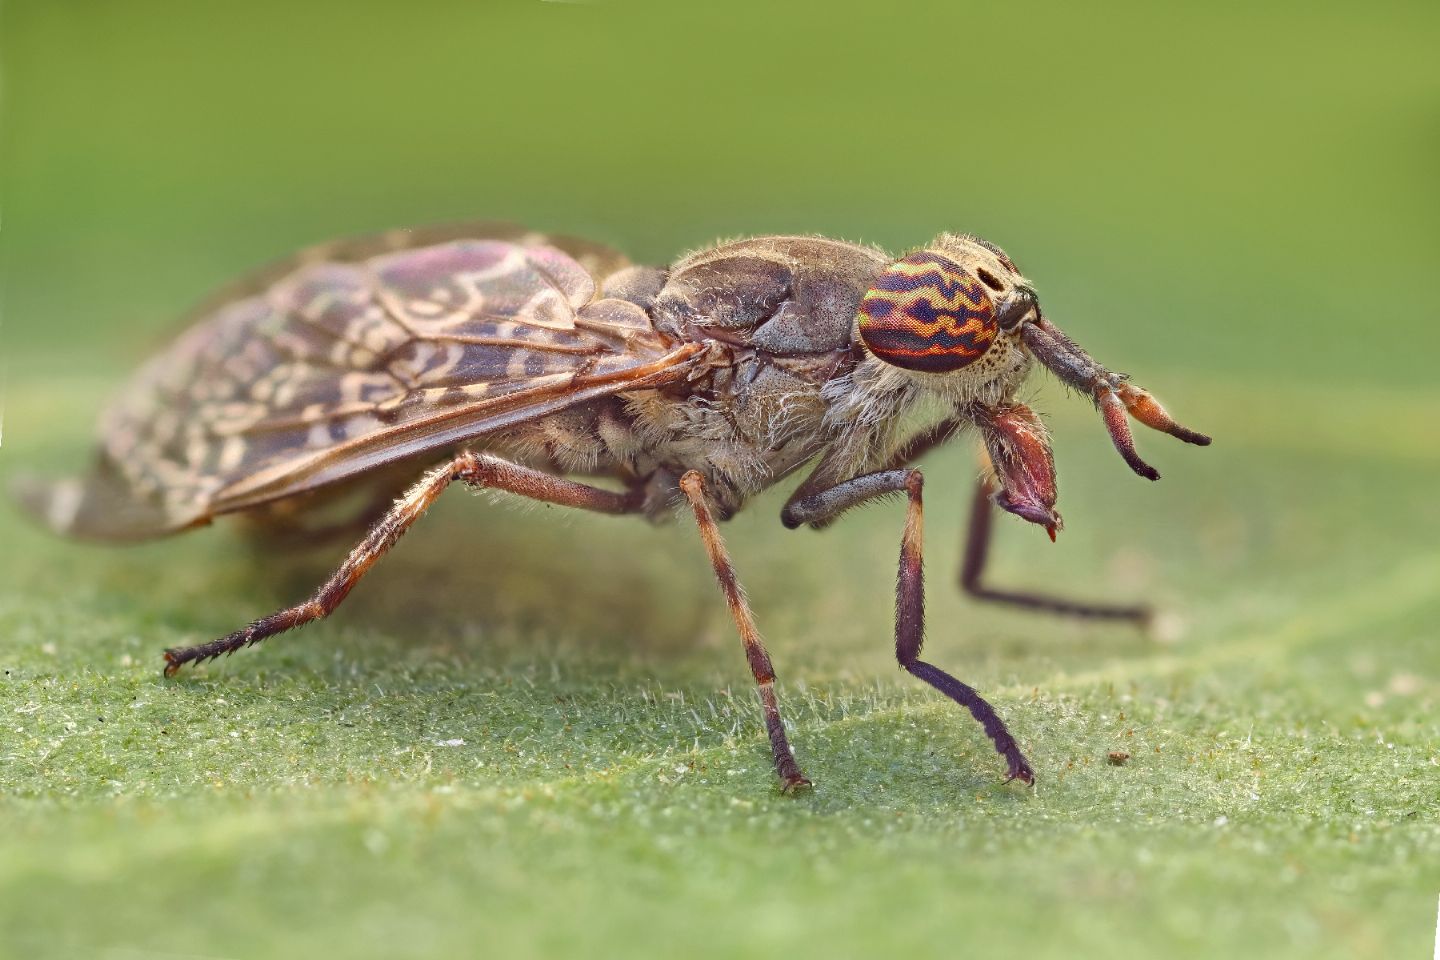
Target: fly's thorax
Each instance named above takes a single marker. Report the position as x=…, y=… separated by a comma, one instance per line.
x=776, y=315
x=786, y=296
x=745, y=421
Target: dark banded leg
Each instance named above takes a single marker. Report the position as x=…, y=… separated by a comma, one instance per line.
x=977, y=552
x=910, y=595
x=475, y=469
x=791, y=779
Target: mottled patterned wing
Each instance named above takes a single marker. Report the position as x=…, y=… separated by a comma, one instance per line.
x=339, y=367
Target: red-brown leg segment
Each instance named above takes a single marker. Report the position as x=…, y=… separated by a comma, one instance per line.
x=1113, y=395
x=475, y=469
x=692, y=484
x=910, y=596
x=977, y=552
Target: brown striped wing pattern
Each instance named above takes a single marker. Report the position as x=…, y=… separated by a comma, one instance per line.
x=338, y=367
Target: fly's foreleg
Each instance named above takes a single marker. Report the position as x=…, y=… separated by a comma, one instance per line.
x=977, y=553
x=475, y=469
x=692, y=485
x=808, y=507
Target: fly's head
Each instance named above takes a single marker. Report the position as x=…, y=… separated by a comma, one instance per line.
x=958, y=321
x=948, y=317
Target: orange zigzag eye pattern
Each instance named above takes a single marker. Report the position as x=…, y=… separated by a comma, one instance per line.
x=926, y=313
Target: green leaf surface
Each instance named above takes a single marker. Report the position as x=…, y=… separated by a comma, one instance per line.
x=530, y=733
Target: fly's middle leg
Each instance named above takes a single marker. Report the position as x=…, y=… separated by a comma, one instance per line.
x=692, y=485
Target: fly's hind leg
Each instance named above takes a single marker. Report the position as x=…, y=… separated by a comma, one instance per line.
x=977, y=553
x=692, y=485
x=478, y=470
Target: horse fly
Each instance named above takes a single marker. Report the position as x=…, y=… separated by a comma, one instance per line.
x=513, y=361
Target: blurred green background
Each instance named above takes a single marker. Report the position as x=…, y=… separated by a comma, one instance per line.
x=1236, y=202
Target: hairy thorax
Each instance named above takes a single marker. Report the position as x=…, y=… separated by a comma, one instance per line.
x=747, y=419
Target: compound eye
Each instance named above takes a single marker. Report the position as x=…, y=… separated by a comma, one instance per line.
x=927, y=313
